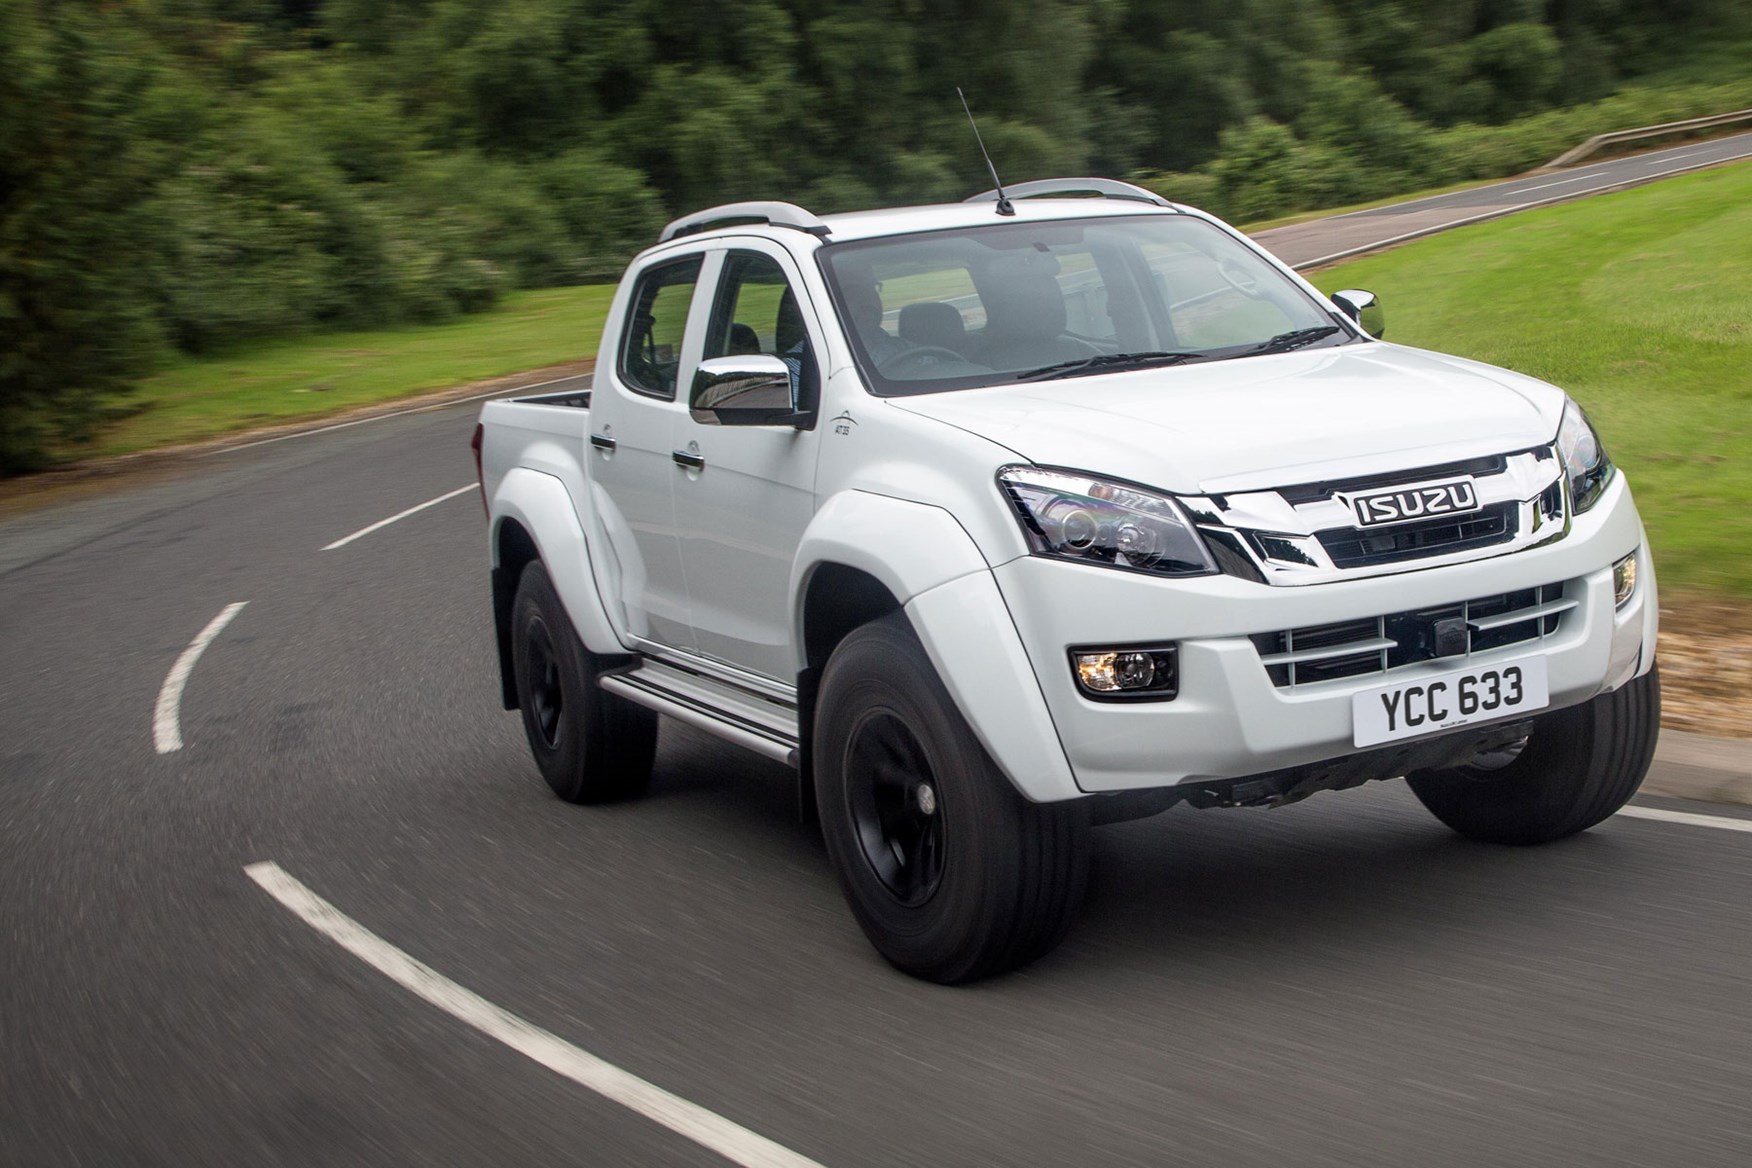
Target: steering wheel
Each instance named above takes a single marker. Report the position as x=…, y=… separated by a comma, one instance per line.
x=934, y=352
x=1239, y=278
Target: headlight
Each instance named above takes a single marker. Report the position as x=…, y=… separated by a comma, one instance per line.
x=1584, y=459
x=1087, y=520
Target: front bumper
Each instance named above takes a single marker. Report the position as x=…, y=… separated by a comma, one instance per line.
x=1230, y=720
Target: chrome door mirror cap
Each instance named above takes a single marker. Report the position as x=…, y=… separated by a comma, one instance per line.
x=754, y=389
x=1362, y=307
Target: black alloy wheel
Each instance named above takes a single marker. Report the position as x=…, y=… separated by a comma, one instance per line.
x=950, y=872
x=590, y=745
x=894, y=803
x=547, y=698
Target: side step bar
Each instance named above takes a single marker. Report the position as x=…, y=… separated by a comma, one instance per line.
x=718, y=707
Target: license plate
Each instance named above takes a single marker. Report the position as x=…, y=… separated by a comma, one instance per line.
x=1447, y=700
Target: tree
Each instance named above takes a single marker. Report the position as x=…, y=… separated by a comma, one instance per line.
x=1521, y=62
x=76, y=163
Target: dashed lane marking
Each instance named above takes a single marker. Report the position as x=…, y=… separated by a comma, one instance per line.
x=1563, y=182
x=705, y=1128
x=167, y=717
x=364, y=531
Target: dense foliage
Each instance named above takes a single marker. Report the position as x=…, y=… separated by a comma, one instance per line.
x=188, y=173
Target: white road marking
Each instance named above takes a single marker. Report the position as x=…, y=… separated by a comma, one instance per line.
x=443, y=405
x=1677, y=157
x=166, y=719
x=364, y=531
x=1560, y=183
x=1688, y=818
x=705, y=1128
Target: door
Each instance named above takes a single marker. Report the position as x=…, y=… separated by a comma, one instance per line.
x=634, y=411
x=741, y=512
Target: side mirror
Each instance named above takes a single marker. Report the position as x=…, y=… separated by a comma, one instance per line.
x=749, y=390
x=1363, y=308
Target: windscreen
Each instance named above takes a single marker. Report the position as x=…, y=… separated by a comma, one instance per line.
x=1006, y=302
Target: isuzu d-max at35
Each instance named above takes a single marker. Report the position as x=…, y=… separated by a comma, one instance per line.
x=1003, y=519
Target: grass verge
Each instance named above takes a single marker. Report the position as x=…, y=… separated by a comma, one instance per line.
x=329, y=373
x=1638, y=303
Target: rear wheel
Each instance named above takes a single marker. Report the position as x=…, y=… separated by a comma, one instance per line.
x=952, y=875
x=1577, y=767
x=591, y=746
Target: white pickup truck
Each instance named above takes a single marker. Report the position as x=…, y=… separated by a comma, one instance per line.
x=1003, y=519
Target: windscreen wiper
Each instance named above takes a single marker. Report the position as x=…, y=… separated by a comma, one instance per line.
x=1294, y=339
x=1108, y=361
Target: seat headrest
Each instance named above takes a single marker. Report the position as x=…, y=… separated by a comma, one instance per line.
x=933, y=323
x=1029, y=302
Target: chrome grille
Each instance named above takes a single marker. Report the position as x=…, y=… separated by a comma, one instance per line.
x=1353, y=547
x=1308, y=533
x=1378, y=644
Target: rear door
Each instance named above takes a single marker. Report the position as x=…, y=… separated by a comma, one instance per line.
x=634, y=410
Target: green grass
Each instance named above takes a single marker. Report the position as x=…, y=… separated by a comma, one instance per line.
x=327, y=373
x=1640, y=304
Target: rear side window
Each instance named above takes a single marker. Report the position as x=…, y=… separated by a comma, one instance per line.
x=651, y=349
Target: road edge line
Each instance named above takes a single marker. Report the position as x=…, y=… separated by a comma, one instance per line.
x=1687, y=818
x=705, y=1128
x=440, y=403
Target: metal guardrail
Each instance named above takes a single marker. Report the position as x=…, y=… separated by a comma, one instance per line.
x=1571, y=157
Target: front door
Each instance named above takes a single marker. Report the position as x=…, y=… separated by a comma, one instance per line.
x=741, y=514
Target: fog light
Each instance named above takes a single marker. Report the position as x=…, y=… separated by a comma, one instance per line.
x=1095, y=672
x=1126, y=673
x=1624, y=580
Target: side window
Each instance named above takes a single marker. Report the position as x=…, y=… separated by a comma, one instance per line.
x=650, y=351
x=757, y=312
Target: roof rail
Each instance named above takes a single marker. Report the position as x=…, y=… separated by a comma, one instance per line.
x=1106, y=188
x=776, y=214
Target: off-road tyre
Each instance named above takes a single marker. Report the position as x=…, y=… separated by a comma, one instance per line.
x=1007, y=877
x=1579, y=765
x=591, y=746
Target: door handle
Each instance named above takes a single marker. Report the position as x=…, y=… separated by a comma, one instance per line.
x=602, y=442
x=691, y=461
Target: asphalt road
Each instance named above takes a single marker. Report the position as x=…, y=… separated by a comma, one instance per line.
x=1322, y=241
x=1338, y=983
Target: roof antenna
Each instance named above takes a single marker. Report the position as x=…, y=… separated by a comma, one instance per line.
x=1005, y=207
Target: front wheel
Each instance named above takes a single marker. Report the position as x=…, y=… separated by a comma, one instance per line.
x=951, y=873
x=591, y=746
x=1577, y=767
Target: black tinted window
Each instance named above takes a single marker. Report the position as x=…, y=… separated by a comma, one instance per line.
x=651, y=348
x=757, y=312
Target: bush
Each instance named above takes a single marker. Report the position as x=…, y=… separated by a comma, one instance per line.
x=1265, y=170
x=261, y=236
x=1194, y=189
x=608, y=212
